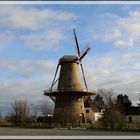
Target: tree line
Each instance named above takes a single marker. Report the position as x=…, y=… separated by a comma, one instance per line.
x=113, y=106
x=22, y=114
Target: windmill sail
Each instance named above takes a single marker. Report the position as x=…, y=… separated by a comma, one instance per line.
x=86, y=50
x=81, y=56
x=55, y=77
x=77, y=45
x=84, y=76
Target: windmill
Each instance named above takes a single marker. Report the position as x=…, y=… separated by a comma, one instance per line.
x=69, y=97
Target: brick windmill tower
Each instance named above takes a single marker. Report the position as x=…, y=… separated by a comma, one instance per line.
x=70, y=96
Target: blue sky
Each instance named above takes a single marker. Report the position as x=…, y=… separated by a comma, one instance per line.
x=34, y=37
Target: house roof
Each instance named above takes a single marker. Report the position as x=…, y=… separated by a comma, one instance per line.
x=95, y=109
x=88, y=105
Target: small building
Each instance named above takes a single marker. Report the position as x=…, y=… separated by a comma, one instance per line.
x=44, y=118
x=133, y=116
x=92, y=113
x=3, y=120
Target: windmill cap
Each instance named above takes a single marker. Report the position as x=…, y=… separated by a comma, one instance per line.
x=68, y=58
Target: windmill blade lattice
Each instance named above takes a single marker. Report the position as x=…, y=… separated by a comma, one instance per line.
x=81, y=57
x=84, y=76
x=77, y=45
x=55, y=77
x=86, y=50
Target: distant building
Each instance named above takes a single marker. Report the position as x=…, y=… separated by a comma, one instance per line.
x=44, y=118
x=92, y=113
x=134, y=115
x=3, y=120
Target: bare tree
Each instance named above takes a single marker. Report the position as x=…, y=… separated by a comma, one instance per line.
x=139, y=100
x=20, y=112
x=112, y=116
x=45, y=108
x=34, y=111
x=97, y=102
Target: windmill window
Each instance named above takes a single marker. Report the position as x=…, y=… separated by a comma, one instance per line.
x=87, y=111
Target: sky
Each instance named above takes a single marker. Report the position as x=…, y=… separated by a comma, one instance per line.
x=34, y=36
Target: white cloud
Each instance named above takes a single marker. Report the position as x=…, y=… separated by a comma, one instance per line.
x=30, y=90
x=37, y=29
x=137, y=66
x=48, y=39
x=110, y=35
x=124, y=43
x=115, y=71
x=121, y=31
x=27, y=67
x=34, y=28
x=64, y=16
x=54, y=35
x=20, y=17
